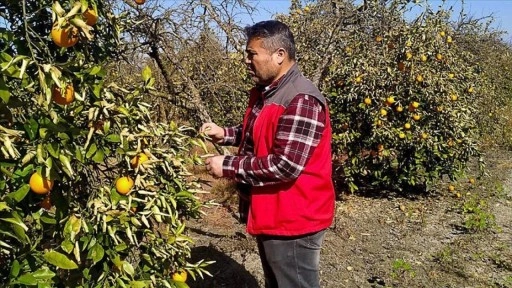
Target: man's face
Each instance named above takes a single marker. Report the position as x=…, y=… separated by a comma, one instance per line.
x=263, y=65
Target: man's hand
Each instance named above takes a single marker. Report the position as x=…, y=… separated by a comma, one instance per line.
x=213, y=131
x=214, y=165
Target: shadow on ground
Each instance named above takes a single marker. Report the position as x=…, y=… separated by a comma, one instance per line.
x=227, y=273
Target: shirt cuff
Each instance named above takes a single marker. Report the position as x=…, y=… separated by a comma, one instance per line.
x=230, y=166
x=229, y=136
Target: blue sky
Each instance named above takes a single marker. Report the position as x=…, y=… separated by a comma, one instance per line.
x=500, y=9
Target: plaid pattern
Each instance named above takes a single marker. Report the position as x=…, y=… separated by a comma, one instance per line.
x=299, y=130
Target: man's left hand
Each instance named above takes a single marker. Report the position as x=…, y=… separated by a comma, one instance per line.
x=214, y=165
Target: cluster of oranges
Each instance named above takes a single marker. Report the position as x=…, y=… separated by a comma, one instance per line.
x=42, y=185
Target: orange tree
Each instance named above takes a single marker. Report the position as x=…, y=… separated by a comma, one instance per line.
x=402, y=93
x=93, y=193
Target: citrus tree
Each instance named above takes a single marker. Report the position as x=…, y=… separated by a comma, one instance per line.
x=93, y=193
x=402, y=93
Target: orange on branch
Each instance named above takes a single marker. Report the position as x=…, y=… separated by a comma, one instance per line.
x=138, y=160
x=67, y=98
x=39, y=184
x=64, y=37
x=124, y=185
x=91, y=17
x=180, y=276
x=140, y=2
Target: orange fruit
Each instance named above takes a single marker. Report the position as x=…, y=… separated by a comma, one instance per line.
x=380, y=147
x=451, y=75
x=390, y=100
x=378, y=38
x=140, y=2
x=423, y=58
x=424, y=135
x=449, y=39
x=451, y=188
x=408, y=55
x=407, y=126
x=472, y=180
x=124, y=185
x=401, y=135
x=416, y=117
x=442, y=34
x=139, y=159
x=180, y=276
x=454, y=97
x=439, y=56
x=64, y=37
x=399, y=108
x=439, y=108
x=67, y=98
x=39, y=184
x=419, y=78
x=91, y=17
x=359, y=79
x=383, y=112
x=367, y=101
x=471, y=89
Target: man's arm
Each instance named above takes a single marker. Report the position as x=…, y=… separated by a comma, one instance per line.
x=232, y=135
x=298, y=133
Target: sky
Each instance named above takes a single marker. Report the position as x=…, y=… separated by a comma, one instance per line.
x=500, y=9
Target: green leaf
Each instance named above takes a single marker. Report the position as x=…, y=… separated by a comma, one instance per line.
x=5, y=94
x=48, y=220
x=113, y=138
x=3, y=206
x=92, y=149
x=137, y=284
x=16, y=222
x=20, y=233
x=128, y=268
x=67, y=246
x=19, y=194
x=96, y=253
x=27, y=279
x=44, y=273
x=15, y=269
x=99, y=157
x=95, y=70
x=122, y=246
x=60, y=260
x=31, y=127
x=53, y=149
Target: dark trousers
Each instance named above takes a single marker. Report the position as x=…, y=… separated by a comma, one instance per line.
x=291, y=262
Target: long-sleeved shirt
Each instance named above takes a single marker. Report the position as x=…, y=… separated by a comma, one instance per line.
x=299, y=130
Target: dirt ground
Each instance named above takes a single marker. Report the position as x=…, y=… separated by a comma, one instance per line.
x=440, y=240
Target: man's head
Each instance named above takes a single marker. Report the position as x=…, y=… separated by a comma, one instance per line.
x=270, y=51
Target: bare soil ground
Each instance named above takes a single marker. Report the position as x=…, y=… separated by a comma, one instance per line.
x=385, y=240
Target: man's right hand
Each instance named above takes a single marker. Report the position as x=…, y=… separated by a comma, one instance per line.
x=213, y=131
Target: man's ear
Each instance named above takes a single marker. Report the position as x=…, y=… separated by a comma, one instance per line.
x=281, y=55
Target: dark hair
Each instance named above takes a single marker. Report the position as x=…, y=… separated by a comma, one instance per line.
x=275, y=35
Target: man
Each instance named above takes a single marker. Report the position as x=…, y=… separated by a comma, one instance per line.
x=284, y=159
